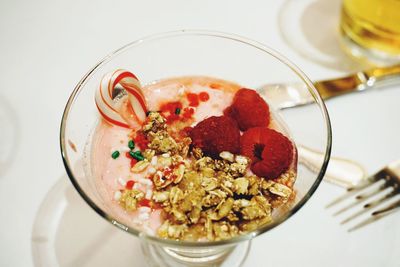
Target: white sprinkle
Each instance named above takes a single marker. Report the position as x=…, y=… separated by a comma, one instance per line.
x=136, y=186
x=149, y=194
x=143, y=216
x=154, y=160
x=151, y=170
x=144, y=210
x=121, y=181
x=142, y=181
x=117, y=195
x=147, y=182
x=166, y=155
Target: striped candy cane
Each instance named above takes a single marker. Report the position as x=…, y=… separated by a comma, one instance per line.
x=110, y=109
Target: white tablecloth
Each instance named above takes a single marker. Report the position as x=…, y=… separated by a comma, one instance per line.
x=47, y=46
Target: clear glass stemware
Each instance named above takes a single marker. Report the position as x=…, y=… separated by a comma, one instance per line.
x=205, y=53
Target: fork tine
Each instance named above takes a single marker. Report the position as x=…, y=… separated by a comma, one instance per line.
x=369, y=206
x=377, y=215
x=387, y=209
x=360, y=198
x=354, y=189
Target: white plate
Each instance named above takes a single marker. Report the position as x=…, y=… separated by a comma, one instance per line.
x=311, y=29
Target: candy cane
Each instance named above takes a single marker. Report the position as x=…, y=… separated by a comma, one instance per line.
x=110, y=109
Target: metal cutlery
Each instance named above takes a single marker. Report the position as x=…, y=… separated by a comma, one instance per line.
x=341, y=172
x=387, y=180
x=297, y=94
x=379, y=188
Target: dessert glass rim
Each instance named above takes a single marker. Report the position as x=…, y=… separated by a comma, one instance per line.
x=208, y=33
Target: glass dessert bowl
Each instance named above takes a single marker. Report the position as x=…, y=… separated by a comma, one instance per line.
x=165, y=65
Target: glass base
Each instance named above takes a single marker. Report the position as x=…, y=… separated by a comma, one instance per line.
x=161, y=256
x=367, y=55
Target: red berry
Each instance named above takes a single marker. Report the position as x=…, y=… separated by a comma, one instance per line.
x=270, y=151
x=216, y=134
x=129, y=184
x=248, y=109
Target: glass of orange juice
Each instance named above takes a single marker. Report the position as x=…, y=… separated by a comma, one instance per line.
x=371, y=29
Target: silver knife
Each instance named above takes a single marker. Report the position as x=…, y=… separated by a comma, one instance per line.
x=283, y=96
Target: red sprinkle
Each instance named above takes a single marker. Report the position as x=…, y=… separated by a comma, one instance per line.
x=144, y=202
x=167, y=171
x=129, y=184
x=170, y=107
x=193, y=99
x=171, y=118
x=185, y=131
x=168, y=110
x=188, y=112
x=133, y=162
x=204, y=96
x=156, y=206
x=141, y=141
x=215, y=86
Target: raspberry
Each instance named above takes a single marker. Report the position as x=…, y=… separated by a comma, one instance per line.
x=248, y=109
x=216, y=134
x=270, y=151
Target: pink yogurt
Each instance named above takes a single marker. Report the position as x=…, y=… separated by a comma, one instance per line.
x=113, y=173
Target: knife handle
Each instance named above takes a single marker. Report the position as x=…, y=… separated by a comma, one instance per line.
x=360, y=81
x=382, y=75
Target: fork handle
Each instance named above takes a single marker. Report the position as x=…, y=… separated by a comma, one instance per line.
x=395, y=167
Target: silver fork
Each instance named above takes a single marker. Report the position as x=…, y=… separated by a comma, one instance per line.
x=383, y=186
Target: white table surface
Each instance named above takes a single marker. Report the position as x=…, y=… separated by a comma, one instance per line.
x=47, y=46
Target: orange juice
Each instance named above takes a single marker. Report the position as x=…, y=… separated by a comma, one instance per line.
x=373, y=24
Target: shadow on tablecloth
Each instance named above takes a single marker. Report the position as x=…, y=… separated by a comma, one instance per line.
x=67, y=232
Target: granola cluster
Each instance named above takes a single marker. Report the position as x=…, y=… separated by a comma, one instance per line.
x=202, y=197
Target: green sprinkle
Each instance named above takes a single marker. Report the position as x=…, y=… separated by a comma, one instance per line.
x=131, y=144
x=177, y=111
x=136, y=155
x=115, y=154
x=148, y=113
